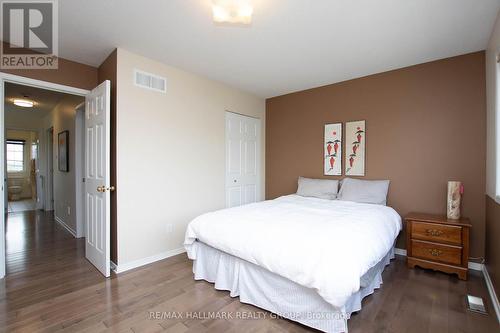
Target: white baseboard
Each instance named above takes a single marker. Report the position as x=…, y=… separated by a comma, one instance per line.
x=120, y=268
x=475, y=266
x=491, y=290
x=472, y=265
x=112, y=265
x=401, y=252
x=67, y=227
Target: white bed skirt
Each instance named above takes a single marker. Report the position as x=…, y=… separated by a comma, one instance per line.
x=264, y=289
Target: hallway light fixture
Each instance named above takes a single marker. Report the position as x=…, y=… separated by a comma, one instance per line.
x=24, y=103
x=232, y=11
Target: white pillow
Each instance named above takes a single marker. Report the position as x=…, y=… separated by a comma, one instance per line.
x=364, y=191
x=318, y=188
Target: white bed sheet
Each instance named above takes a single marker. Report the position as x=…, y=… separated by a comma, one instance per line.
x=257, y=286
x=324, y=245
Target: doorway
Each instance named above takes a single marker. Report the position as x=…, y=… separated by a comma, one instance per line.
x=21, y=148
x=52, y=115
x=56, y=157
x=61, y=156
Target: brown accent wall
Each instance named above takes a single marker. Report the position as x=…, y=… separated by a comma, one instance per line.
x=492, y=241
x=425, y=125
x=69, y=73
x=107, y=71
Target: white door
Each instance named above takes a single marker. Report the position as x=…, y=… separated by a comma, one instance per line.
x=242, y=159
x=97, y=177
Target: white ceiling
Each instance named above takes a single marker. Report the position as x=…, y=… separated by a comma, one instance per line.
x=291, y=45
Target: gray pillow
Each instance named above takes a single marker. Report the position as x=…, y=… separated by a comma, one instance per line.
x=318, y=188
x=364, y=191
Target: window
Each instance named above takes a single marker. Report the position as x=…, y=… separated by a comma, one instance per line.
x=15, y=155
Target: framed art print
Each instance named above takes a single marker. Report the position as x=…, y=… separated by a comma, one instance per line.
x=355, y=136
x=333, y=150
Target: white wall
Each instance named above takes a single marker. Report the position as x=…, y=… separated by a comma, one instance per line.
x=63, y=118
x=492, y=104
x=170, y=154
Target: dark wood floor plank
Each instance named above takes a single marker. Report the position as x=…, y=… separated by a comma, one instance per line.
x=51, y=287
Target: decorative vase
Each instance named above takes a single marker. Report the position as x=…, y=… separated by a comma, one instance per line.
x=454, y=200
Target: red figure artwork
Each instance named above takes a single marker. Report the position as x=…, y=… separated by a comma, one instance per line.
x=355, y=132
x=332, y=148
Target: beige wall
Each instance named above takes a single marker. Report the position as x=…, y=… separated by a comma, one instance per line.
x=170, y=154
x=492, y=206
x=425, y=126
x=62, y=118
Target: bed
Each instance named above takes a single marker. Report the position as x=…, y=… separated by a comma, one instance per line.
x=307, y=259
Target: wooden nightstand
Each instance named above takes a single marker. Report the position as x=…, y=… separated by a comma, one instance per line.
x=435, y=242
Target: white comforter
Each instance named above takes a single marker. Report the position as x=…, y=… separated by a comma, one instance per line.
x=326, y=245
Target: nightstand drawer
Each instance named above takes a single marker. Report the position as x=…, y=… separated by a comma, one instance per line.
x=447, y=254
x=437, y=232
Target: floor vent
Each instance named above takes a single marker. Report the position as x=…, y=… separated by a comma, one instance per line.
x=476, y=304
x=150, y=81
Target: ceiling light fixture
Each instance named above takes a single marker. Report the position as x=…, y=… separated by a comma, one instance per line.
x=232, y=11
x=23, y=103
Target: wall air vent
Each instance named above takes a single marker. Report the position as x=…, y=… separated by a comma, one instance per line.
x=150, y=81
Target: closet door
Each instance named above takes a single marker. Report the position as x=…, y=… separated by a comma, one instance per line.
x=242, y=159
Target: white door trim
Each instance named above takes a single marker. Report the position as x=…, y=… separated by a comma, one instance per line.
x=2, y=174
x=48, y=204
x=4, y=77
x=79, y=169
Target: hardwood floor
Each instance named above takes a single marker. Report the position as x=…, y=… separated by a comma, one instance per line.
x=50, y=287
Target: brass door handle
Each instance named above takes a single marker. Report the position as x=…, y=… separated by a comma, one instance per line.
x=104, y=189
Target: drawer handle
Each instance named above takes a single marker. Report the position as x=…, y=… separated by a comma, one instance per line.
x=435, y=253
x=434, y=232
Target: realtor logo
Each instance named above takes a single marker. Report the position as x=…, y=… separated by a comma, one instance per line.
x=29, y=34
